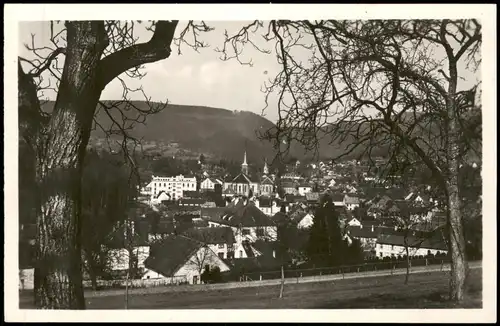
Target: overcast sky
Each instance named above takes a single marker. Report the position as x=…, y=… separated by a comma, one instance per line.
x=191, y=78
x=197, y=78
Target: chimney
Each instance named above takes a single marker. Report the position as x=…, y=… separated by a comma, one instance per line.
x=372, y=228
x=361, y=226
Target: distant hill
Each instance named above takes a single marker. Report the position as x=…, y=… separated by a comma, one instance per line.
x=218, y=132
x=185, y=130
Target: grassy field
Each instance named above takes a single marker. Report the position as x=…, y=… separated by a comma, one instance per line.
x=425, y=290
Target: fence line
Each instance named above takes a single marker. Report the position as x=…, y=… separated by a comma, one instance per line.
x=138, y=283
x=342, y=270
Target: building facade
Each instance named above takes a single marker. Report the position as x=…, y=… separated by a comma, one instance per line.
x=173, y=187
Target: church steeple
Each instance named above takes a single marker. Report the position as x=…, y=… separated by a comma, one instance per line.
x=266, y=169
x=244, y=165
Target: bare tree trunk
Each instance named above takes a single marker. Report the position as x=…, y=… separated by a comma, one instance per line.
x=459, y=263
x=92, y=266
x=455, y=227
x=407, y=278
x=60, y=152
x=126, y=288
x=282, y=281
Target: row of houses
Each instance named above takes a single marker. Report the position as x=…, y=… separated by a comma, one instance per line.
x=383, y=241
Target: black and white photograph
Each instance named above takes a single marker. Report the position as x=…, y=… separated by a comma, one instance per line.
x=256, y=158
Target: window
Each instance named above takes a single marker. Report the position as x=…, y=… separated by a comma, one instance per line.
x=381, y=254
x=260, y=232
x=241, y=253
x=392, y=247
x=221, y=246
x=221, y=255
x=245, y=231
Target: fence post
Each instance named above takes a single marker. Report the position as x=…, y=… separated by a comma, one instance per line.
x=260, y=277
x=343, y=275
x=426, y=262
x=442, y=262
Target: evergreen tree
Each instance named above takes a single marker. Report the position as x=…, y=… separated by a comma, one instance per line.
x=326, y=246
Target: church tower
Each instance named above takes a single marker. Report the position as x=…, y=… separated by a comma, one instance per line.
x=266, y=169
x=244, y=165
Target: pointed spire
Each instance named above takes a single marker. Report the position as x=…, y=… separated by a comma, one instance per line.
x=244, y=165
x=266, y=168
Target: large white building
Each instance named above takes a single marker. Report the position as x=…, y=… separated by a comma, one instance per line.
x=169, y=187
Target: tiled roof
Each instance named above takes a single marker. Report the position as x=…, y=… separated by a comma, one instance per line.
x=422, y=241
x=242, y=178
x=208, y=235
x=167, y=256
x=288, y=184
x=351, y=200
x=266, y=248
x=248, y=215
x=294, y=199
x=188, y=201
x=213, y=212
x=280, y=218
x=312, y=196
x=337, y=197
x=299, y=216
x=266, y=181
x=367, y=233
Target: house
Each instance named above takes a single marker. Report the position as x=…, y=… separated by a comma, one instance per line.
x=312, y=198
x=303, y=189
x=248, y=224
x=353, y=222
x=380, y=205
x=160, y=197
x=220, y=240
x=289, y=187
x=209, y=184
x=181, y=259
x=338, y=199
x=267, y=205
x=191, y=202
x=213, y=212
x=419, y=198
x=303, y=219
x=367, y=235
x=393, y=245
x=266, y=186
x=351, y=202
x=351, y=189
